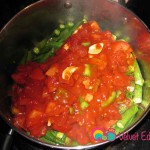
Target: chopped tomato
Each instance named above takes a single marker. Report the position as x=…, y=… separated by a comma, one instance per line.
x=52, y=71
x=37, y=74
x=68, y=92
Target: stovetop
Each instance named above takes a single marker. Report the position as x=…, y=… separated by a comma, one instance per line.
x=141, y=8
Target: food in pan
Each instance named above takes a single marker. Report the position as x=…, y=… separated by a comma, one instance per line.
x=78, y=79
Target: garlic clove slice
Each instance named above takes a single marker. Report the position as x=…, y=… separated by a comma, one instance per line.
x=96, y=48
x=66, y=74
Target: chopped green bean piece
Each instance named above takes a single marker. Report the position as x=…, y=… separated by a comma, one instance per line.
x=59, y=135
x=122, y=108
x=87, y=70
x=84, y=20
x=137, y=74
x=137, y=98
x=120, y=130
x=110, y=100
x=36, y=50
x=70, y=24
x=126, y=116
x=86, y=43
x=129, y=94
x=51, y=136
x=130, y=70
x=47, y=47
x=84, y=105
x=56, y=31
x=147, y=83
x=61, y=26
x=67, y=141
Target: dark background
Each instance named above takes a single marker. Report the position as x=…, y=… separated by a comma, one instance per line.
x=8, y=8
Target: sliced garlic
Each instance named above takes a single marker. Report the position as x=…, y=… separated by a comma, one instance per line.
x=96, y=48
x=68, y=72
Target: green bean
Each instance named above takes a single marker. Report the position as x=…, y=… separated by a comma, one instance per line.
x=61, y=26
x=118, y=34
x=129, y=94
x=68, y=31
x=83, y=104
x=29, y=56
x=57, y=32
x=47, y=47
x=137, y=74
x=63, y=35
x=147, y=83
x=130, y=70
x=137, y=98
x=43, y=57
x=51, y=45
x=120, y=130
x=145, y=103
x=51, y=137
x=36, y=50
x=74, y=143
x=47, y=140
x=70, y=24
x=126, y=116
x=63, y=138
x=122, y=108
x=56, y=137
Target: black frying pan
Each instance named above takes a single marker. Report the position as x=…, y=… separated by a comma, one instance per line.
x=39, y=19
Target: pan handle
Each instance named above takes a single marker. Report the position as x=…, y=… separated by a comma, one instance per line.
x=7, y=141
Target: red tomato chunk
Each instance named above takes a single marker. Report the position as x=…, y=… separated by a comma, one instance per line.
x=70, y=91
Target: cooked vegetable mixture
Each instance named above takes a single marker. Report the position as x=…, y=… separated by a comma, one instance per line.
x=92, y=80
